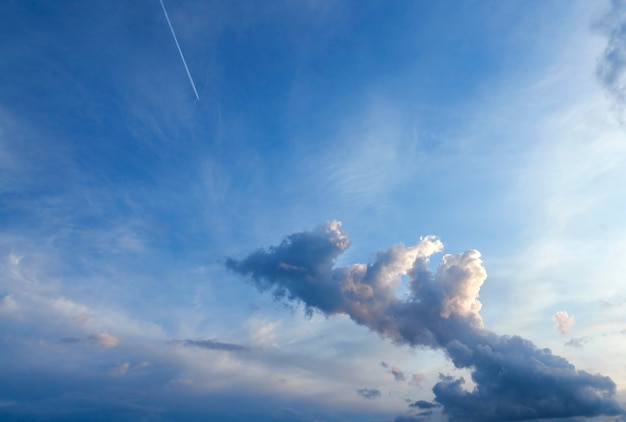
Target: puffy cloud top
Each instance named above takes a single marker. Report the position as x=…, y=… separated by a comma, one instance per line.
x=563, y=321
x=514, y=379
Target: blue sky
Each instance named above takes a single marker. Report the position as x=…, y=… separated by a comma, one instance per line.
x=141, y=228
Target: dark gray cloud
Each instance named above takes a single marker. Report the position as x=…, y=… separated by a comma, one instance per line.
x=577, y=342
x=368, y=393
x=611, y=69
x=514, y=379
x=384, y=364
x=413, y=418
x=423, y=404
x=301, y=267
x=398, y=375
x=211, y=345
x=105, y=340
x=407, y=418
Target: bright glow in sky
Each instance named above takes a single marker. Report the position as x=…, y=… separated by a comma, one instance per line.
x=368, y=211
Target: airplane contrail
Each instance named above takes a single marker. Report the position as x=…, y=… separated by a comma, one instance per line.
x=179, y=50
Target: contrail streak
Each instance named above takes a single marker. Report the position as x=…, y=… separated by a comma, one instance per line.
x=180, y=51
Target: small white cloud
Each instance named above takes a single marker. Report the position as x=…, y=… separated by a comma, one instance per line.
x=71, y=309
x=262, y=333
x=563, y=321
x=121, y=369
x=8, y=305
x=14, y=260
x=105, y=340
x=14, y=268
x=81, y=318
x=181, y=383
